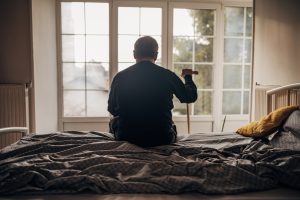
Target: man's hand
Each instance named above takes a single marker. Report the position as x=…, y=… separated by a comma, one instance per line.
x=188, y=72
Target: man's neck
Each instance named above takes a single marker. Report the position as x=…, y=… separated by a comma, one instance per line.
x=144, y=59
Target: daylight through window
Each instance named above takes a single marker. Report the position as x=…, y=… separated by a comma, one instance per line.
x=97, y=40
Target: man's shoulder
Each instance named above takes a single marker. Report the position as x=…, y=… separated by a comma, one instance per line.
x=125, y=71
x=163, y=69
x=140, y=66
x=167, y=72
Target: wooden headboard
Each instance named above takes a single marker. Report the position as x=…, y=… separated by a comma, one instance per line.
x=288, y=95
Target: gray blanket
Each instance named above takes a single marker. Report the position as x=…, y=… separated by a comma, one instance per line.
x=208, y=163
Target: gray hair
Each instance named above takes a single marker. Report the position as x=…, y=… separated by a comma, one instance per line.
x=146, y=47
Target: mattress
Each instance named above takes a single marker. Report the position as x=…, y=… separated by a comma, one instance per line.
x=92, y=162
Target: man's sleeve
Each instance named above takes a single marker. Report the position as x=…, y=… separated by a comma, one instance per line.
x=112, y=99
x=185, y=92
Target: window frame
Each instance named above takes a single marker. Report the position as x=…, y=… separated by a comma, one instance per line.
x=166, y=52
x=149, y=4
x=193, y=5
x=236, y=117
x=60, y=91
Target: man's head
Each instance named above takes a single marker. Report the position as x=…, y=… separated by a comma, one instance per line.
x=145, y=48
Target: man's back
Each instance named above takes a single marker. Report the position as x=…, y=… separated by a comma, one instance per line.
x=141, y=97
x=145, y=95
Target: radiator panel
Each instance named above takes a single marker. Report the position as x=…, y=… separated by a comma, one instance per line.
x=261, y=101
x=12, y=111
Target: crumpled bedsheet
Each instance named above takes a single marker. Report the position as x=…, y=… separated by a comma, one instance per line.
x=208, y=163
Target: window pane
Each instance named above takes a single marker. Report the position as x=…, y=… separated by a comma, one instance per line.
x=97, y=103
x=97, y=48
x=234, y=21
x=179, y=108
x=194, y=48
x=85, y=55
x=135, y=22
x=183, y=23
x=73, y=48
x=203, y=105
x=126, y=46
x=128, y=20
x=97, y=18
x=182, y=49
x=189, y=22
x=204, y=79
x=249, y=20
x=233, y=50
x=72, y=18
x=122, y=66
x=203, y=49
x=204, y=21
x=248, y=51
x=148, y=16
x=73, y=76
x=97, y=76
x=246, y=103
x=232, y=76
x=247, y=77
x=74, y=103
x=231, y=102
x=178, y=69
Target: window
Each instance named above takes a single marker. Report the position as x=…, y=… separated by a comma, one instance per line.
x=143, y=21
x=193, y=38
x=97, y=38
x=85, y=58
x=237, y=60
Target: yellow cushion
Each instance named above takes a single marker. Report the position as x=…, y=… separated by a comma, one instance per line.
x=267, y=124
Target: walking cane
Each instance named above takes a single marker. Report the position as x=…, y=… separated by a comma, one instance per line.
x=184, y=72
x=188, y=117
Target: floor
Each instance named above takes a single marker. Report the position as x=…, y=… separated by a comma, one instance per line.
x=276, y=194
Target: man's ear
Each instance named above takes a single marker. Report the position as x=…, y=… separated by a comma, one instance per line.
x=134, y=54
x=155, y=55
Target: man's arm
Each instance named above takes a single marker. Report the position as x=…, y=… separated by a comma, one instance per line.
x=112, y=99
x=185, y=92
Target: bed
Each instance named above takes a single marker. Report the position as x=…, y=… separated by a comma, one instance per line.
x=225, y=165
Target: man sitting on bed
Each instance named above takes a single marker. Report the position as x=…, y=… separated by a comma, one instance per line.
x=140, y=98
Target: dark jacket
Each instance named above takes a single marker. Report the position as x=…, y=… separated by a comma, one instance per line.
x=141, y=96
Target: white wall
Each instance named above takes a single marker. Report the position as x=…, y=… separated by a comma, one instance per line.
x=276, y=45
x=45, y=67
x=277, y=42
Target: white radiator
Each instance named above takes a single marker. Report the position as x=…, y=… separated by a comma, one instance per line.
x=12, y=111
x=260, y=101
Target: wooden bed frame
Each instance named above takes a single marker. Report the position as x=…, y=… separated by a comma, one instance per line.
x=288, y=95
x=22, y=130
x=10, y=135
x=275, y=194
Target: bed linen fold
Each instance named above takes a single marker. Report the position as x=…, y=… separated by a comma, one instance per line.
x=208, y=163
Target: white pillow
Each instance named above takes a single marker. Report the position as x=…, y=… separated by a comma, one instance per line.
x=293, y=122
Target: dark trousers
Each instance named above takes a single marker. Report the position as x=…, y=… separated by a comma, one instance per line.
x=142, y=137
